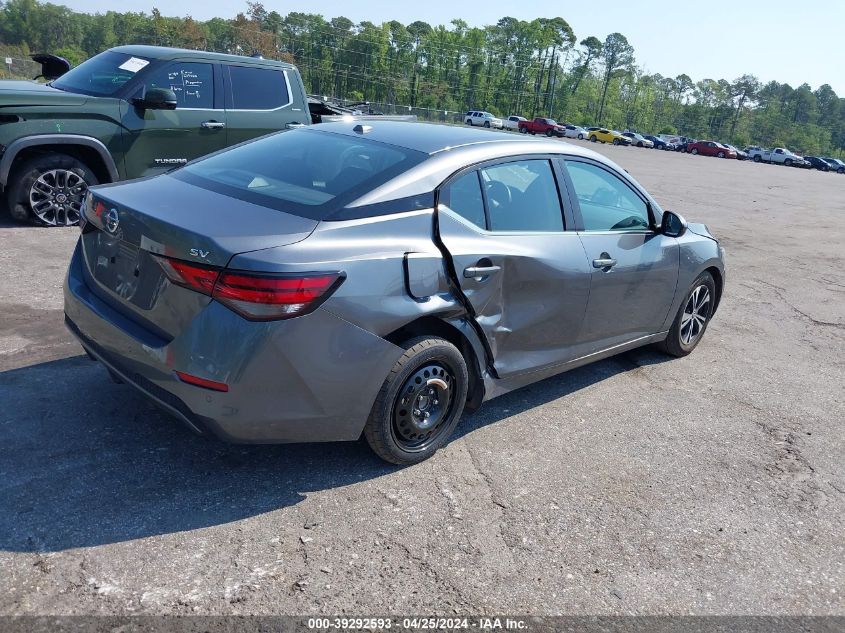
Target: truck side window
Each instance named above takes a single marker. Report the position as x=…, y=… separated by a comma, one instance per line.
x=258, y=88
x=192, y=82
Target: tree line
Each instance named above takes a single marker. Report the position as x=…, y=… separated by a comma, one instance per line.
x=531, y=68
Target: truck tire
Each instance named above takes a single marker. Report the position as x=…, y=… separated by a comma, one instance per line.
x=49, y=190
x=487, y=124
x=549, y=132
x=788, y=162
x=757, y=158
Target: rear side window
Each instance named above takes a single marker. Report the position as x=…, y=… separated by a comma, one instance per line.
x=522, y=196
x=463, y=196
x=258, y=88
x=305, y=172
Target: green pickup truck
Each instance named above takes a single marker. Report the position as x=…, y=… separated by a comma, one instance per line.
x=133, y=111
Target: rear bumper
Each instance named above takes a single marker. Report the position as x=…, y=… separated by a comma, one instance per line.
x=308, y=379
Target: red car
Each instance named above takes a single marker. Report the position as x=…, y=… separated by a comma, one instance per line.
x=711, y=148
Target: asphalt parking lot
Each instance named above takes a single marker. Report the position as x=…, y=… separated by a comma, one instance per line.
x=713, y=484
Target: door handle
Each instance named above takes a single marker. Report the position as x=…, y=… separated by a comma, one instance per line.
x=604, y=262
x=213, y=125
x=480, y=271
x=293, y=126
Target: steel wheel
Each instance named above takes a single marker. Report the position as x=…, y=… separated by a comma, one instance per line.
x=695, y=316
x=56, y=197
x=422, y=407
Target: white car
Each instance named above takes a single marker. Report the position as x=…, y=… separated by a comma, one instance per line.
x=512, y=122
x=574, y=131
x=484, y=119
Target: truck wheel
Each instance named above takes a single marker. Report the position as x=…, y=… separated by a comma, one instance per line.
x=757, y=158
x=49, y=190
x=788, y=162
x=549, y=133
x=419, y=403
x=487, y=124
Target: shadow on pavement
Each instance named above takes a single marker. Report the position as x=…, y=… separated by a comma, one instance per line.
x=85, y=462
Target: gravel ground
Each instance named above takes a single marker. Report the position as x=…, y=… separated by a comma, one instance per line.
x=712, y=484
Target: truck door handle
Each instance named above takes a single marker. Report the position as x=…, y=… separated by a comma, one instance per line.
x=604, y=262
x=213, y=125
x=480, y=271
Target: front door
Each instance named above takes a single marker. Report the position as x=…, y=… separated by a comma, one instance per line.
x=157, y=140
x=634, y=267
x=525, y=277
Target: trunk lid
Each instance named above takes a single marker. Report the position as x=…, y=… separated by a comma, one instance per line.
x=128, y=223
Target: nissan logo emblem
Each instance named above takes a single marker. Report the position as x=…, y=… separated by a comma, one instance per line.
x=112, y=220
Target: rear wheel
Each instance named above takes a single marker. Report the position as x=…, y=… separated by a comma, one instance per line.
x=549, y=132
x=50, y=190
x=694, y=151
x=616, y=141
x=593, y=138
x=419, y=403
x=692, y=318
x=580, y=137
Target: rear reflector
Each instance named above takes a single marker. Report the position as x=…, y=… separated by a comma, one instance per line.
x=201, y=382
x=255, y=296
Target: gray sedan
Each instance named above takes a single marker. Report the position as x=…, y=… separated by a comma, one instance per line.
x=380, y=279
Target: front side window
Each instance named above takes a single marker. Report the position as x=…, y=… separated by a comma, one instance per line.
x=522, y=196
x=191, y=82
x=258, y=88
x=607, y=203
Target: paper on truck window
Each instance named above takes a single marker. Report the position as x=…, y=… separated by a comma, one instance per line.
x=133, y=64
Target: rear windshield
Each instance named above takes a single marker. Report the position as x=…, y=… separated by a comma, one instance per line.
x=306, y=172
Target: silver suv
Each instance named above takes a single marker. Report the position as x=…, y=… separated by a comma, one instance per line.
x=483, y=119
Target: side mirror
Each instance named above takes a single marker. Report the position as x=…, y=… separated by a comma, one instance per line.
x=156, y=99
x=672, y=224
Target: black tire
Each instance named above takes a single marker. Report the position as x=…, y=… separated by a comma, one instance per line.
x=616, y=141
x=720, y=155
x=675, y=343
x=73, y=185
x=841, y=170
x=757, y=158
x=394, y=424
x=580, y=137
x=487, y=124
x=787, y=162
x=694, y=151
x=523, y=129
x=549, y=132
x=593, y=138
x=469, y=121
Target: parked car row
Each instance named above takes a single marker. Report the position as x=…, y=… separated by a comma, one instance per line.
x=697, y=147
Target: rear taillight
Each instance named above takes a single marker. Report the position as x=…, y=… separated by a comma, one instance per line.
x=255, y=296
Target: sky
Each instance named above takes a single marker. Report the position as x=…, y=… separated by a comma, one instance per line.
x=789, y=41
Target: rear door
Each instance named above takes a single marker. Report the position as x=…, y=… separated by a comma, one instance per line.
x=157, y=140
x=634, y=268
x=259, y=100
x=523, y=274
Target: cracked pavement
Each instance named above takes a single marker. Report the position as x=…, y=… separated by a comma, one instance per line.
x=711, y=484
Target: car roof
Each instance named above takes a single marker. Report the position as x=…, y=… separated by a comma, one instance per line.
x=431, y=138
x=166, y=53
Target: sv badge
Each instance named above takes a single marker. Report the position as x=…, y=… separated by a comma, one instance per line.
x=198, y=252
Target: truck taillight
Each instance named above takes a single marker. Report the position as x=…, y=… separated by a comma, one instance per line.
x=255, y=296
